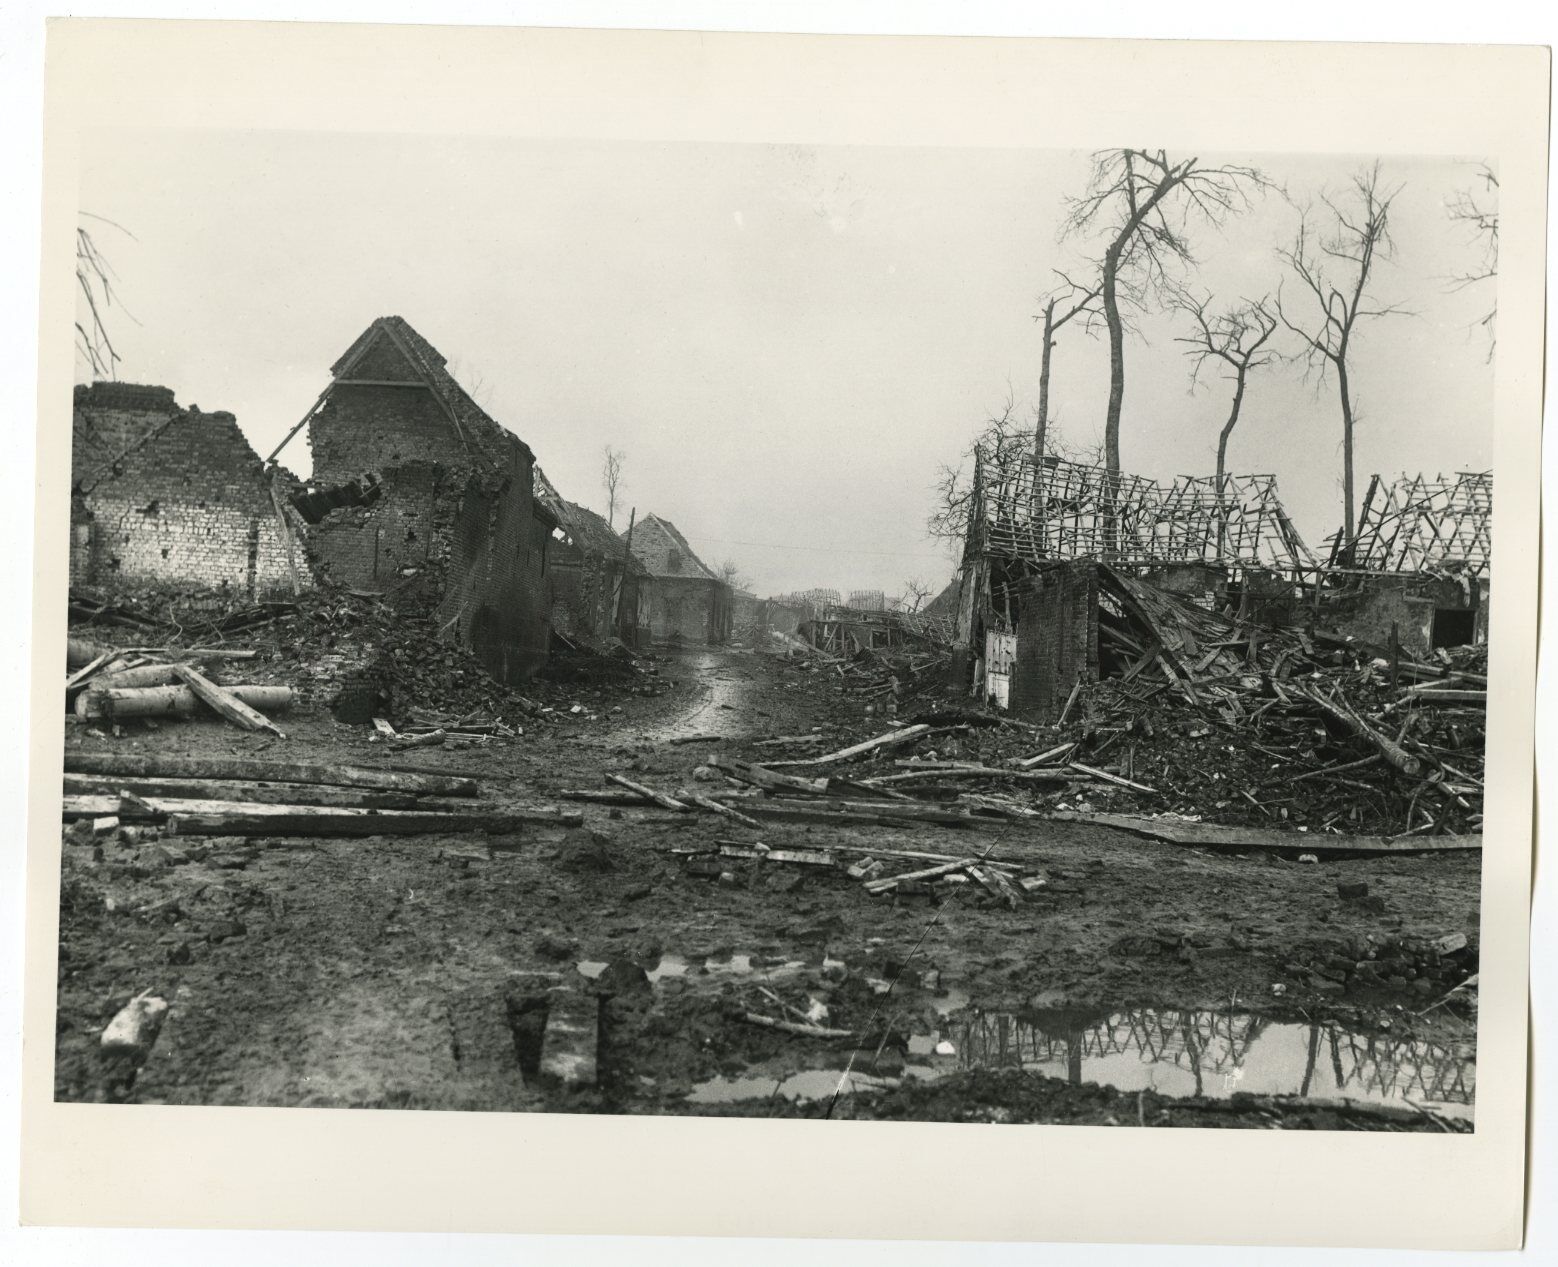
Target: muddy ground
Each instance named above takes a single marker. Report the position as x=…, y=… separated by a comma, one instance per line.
x=1144, y=984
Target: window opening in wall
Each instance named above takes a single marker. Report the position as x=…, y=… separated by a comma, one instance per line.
x=673, y=561
x=1454, y=627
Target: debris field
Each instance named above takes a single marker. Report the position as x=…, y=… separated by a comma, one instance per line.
x=313, y=854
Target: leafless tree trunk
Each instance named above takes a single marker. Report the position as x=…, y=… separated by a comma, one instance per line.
x=1334, y=268
x=1238, y=337
x=611, y=478
x=1068, y=300
x=1145, y=202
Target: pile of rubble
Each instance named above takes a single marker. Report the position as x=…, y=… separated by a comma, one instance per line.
x=364, y=655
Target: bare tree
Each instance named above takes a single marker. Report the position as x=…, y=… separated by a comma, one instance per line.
x=1477, y=209
x=1235, y=340
x=1334, y=265
x=472, y=381
x=916, y=594
x=611, y=479
x=95, y=279
x=1066, y=301
x=1145, y=203
x=730, y=572
x=1000, y=446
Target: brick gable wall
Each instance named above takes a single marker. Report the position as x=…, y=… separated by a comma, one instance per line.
x=170, y=495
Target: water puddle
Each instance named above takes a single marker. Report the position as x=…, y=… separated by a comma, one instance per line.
x=1172, y=1053
x=679, y=967
x=810, y=1084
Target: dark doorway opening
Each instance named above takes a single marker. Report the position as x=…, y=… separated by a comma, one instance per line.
x=1454, y=628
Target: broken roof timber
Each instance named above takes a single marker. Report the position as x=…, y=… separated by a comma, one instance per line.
x=1070, y=510
x=1418, y=525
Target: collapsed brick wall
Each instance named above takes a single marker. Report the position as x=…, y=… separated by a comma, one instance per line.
x=1057, y=640
x=460, y=516
x=172, y=496
x=584, y=598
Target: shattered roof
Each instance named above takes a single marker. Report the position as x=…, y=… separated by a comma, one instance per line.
x=1422, y=525
x=480, y=432
x=593, y=535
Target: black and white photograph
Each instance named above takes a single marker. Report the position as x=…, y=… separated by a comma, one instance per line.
x=615, y=598
x=729, y=630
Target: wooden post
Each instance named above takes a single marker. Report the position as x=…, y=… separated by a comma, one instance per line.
x=1395, y=653
x=286, y=533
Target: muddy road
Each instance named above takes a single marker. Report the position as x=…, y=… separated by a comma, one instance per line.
x=1142, y=984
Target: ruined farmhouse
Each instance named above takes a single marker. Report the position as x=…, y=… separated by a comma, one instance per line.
x=431, y=495
x=597, y=589
x=686, y=599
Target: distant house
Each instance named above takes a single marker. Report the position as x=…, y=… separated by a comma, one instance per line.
x=686, y=599
x=596, y=585
x=164, y=495
x=416, y=488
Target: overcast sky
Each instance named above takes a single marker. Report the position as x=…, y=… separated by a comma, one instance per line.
x=787, y=342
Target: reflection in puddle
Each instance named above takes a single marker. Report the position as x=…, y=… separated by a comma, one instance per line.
x=810, y=1084
x=1173, y=1053
x=1216, y=1054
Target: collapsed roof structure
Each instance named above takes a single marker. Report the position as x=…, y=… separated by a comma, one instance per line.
x=1067, y=510
x=1418, y=525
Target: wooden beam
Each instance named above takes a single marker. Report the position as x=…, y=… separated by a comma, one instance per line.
x=122, y=765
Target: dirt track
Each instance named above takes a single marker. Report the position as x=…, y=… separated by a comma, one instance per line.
x=413, y=973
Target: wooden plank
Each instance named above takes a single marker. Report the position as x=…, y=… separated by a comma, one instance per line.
x=891, y=739
x=132, y=806
x=978, y=772
x=1106, y=777
x=224, y=703
x=1213, y=835
x=302, y=820
x=659, y=798
x=770, y=780
x=262, y=793
x=714, y=807
x=926, y=873
x=130, y=765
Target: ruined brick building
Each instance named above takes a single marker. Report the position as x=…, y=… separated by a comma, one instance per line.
x=415, y=489
x=161, y=494
x=686, y=599
x=596, y=584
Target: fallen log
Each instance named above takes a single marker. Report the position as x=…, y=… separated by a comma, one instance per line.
x=977, y=772
x=224, y=703
x=133, y=807
x=142, y=675
x=261, y=793
x=659, y=798
x=795, y=1027
x=1393, y=753
x=169, y=701
x=1106, y=777
x=1213, y=835
x=903, y=811
x=79, y=652
x=891, y=739
x=303, y=820
x=928, y=873
x=130, y=765
x=911, y=855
